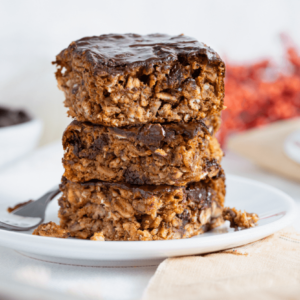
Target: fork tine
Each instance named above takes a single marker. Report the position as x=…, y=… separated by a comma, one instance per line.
x=28, y=216
x=37, y=208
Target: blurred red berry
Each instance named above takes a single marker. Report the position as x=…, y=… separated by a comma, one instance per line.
x=257, y=94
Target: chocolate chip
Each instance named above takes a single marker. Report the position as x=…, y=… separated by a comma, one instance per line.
x=134, y=177
x=176, y=76
x=152, y=135
x=185, y=217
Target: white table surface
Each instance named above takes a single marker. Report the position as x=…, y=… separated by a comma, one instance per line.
x=89, y=282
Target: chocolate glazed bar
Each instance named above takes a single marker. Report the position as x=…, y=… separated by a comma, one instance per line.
x=119, y=80
x=141, y=159
x=173, y=154
x=119, y=211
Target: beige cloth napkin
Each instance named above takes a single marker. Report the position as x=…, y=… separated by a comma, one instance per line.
x=264, y=146
x=266, y=269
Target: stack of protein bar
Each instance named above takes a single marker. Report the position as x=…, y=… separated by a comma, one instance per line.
x=141, y=159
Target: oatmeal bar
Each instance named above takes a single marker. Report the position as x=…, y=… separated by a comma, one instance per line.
x=118, y=211
x=174, y=153
x=119, y=80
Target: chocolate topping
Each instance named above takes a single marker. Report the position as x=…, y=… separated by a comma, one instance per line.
x=115, y=53
x=9, y=117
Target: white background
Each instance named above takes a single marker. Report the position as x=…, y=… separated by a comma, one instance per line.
x=32, y=32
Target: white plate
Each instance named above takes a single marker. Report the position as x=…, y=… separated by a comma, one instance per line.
x=292, y=146
x=276, y=210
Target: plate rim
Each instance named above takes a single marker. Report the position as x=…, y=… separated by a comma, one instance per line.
x=10, y=239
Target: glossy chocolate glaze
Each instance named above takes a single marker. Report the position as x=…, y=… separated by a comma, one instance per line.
x=119, y=52
x=9, y=117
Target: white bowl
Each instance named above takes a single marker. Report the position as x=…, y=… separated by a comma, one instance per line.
x=18, y=140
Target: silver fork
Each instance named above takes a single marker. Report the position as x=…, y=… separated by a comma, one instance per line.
x=28, y=216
